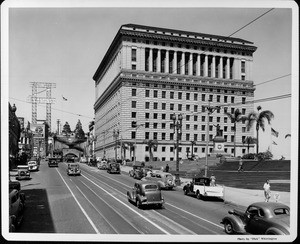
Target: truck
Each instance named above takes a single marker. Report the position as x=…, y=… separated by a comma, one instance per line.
x=201, y=187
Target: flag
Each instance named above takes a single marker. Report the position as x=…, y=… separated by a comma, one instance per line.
x=65, y=99
x=274, y=143
x=274, y=132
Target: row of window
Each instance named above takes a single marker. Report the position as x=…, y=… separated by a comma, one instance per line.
x=187, y=96
x=188, y=108
x=188, y=137
x=202, y=149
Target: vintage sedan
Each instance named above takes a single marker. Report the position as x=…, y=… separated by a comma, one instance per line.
x=146, y=193
x=23, y=172
x=113, y=168
x=16, y=208
x=33, y=165
x=164, y=179
x=269, y=218
x=53, y=162
x=102, y=164
x=73, y=169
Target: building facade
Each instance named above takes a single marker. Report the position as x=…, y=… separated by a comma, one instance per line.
x=149, y=73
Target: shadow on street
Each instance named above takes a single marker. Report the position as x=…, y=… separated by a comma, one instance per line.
x=37, y=215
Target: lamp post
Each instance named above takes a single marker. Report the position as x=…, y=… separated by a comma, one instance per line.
x=210, y=110
x=136, y=126
x=177, y=124
x=116, y=135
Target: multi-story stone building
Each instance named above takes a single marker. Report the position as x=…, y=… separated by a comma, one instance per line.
x=150, y=73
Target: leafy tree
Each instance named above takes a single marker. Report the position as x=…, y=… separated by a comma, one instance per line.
x=151, y=144
x=66, y=129
x=79, y=133
x=259, y=117
x=249, y=140
x=236, y=117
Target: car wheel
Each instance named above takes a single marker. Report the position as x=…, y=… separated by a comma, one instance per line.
x=228, y=227
x=199, y=196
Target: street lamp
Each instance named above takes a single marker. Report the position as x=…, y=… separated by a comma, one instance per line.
x=177, y=124
x=136, y=126
x=210, y=110
x=116, y=135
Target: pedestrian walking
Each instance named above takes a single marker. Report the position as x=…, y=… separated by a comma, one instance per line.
x=167, y=168
x=241, y=165
x=267, y=190
x=213, y=180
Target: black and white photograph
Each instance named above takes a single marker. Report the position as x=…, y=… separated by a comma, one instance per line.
x=149, y=121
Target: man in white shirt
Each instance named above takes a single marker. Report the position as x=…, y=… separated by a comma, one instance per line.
x=267, y=191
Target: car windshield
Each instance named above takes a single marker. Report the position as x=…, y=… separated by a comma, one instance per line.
x=31, y=162
x=150, y=187
x=281, y=211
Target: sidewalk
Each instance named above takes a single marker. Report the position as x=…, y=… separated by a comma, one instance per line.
x=238, y=196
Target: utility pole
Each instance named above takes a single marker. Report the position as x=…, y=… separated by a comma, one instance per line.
x=177, y=124
x=210, y=110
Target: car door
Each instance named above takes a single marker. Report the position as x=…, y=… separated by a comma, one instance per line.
x=256, y=222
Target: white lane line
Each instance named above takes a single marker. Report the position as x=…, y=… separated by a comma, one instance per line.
x=171, y=205
x=157, y=226
x=88, y=218
x=96, y=208
x=196, y=216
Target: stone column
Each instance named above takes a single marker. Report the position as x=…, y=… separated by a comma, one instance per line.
x=142, y=58
x=250, y=77
x=167, y=62
x=205, y=65
x=227, y=67
x=190, y=63
x=151, y=60
x=182, y=63
x=158, y=61
x=221, y=67
x=213, y=68
x=175, y=63
x=198, y=65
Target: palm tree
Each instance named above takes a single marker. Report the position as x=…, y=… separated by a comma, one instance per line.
x=236, y=117
x=151, y=144
x=249, y=140
x=259, y=118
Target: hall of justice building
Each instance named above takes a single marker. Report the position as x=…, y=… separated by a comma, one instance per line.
x=148, y=74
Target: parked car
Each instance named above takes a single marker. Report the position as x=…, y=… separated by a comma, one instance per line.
x=270, y=218
x=33, y=165
x=201, y=187
x=113, y=168
x=16, y=208
x=23, y=172
x=53, y=162
x=102, y=164
x=164, y=179
x=73, y=169
x=146, y=193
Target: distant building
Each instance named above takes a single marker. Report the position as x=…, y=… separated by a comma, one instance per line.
x=150, y=73
x=14, y=135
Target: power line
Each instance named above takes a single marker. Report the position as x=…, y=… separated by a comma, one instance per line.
x=272, y=80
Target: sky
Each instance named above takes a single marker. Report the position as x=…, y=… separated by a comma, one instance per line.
x=64, y=44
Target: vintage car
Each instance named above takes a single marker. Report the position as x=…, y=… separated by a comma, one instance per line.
x=33, y=165
x=23, y=172
x=113, y=168
x=146, y=193
x=73, y=169
x=53, y=162
x=136, y=171
x=270, y=218
x=201, y=187
x=16, y=208
x=164, y=179
x=102, y=164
